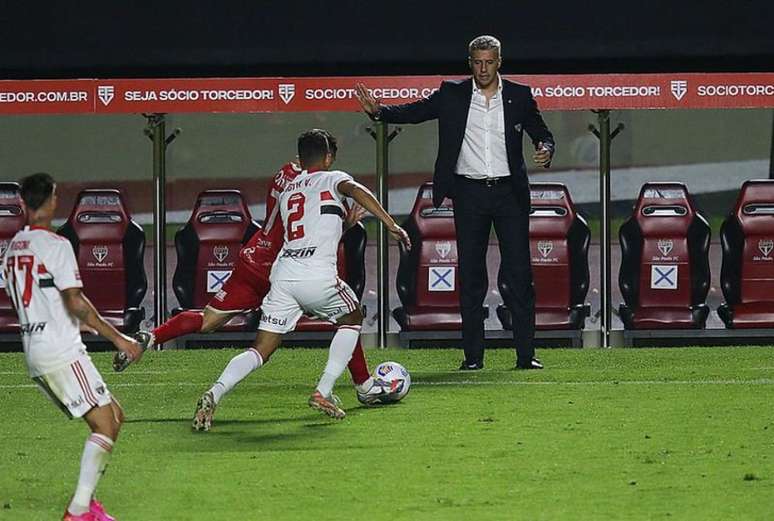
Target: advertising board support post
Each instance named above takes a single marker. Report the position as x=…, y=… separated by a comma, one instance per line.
x=383, y=137
x=605, y=294
x=156, y=131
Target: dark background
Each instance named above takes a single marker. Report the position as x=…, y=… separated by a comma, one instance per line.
x=229, y=38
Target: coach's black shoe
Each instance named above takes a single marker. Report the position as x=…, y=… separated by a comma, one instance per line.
x=471, y=367
x=532, y=364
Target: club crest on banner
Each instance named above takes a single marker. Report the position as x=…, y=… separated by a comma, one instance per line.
x=100, y=252
x=105, y=94
x=679, y=88
x=766, y=245
x=220, y=252
x=545, y=248
x=287, y=92
x=443, y=249
x=665, y=246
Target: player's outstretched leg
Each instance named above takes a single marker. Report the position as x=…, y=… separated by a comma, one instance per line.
x=181, y=324
x=237, y=370
x=105, y=423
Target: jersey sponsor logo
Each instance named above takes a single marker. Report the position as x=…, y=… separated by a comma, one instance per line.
x=32, y=328
x=105, y=93
x=100, y=252
x=20, y=245
x=678, y=88
x=663, y=276
x=268, y=319
x=220, y=252
x=216, y=279
x=287, y=91
x=299, y=253
x=440, y=278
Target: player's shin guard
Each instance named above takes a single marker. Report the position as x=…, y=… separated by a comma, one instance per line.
x=342, y=346
x=358, y=367
x=237, y=370
x=95, y=456
x=183, y=324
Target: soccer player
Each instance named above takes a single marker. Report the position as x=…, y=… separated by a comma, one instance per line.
x=304, y=278
x=249, y=284
x=44, y=285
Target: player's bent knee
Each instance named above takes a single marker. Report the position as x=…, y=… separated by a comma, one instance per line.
x=355, y=318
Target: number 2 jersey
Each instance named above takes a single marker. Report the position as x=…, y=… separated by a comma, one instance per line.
x=37, y=265
x=312, y=211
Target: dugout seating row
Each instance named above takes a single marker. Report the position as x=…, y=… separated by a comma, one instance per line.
x=665, y=271
x=664, y=275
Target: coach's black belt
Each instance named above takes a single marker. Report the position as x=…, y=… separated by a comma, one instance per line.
x=489, y=181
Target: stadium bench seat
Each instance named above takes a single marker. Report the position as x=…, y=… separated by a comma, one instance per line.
x=559, y=244
x=110, y=249
x=12, y=220
x=747, y=272
x=428, y=278
x=208, y=249
x=665, y=274
x=351, y=268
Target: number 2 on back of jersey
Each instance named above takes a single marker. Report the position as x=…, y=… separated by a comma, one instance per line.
x=296, y=208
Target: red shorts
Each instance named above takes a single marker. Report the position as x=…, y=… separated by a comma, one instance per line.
x=243, y=291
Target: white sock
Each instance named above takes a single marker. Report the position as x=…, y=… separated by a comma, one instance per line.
x=365, y=386
x=95, y=456
x=237, y=370
x=342, y=346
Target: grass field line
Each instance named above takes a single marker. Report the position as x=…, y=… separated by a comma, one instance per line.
x=449, y=383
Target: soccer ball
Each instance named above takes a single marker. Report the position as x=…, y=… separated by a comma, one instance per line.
x=397, y=375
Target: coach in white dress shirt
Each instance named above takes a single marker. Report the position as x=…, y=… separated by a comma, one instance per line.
x=480, y=166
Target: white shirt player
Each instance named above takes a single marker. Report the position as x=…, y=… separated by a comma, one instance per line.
x=312, y=210
x=37, y=265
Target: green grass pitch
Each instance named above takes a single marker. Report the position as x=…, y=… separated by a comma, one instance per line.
x=643, y=434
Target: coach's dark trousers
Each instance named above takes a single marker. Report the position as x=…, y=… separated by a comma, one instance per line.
x=477, y=207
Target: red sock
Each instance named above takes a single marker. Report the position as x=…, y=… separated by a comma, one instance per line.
x=358, y=367
x=179, y=325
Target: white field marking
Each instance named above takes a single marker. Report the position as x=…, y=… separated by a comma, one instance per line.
x=451, y=383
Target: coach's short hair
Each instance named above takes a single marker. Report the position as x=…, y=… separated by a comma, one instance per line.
x=36, y=189
x=485, y=43
x=314, y=144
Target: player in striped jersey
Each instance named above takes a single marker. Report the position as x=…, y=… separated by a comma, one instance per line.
x=304, y=276
x=44, y=285
x=248, y=285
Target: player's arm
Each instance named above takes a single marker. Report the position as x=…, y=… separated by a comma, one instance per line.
x=366, y=199
x=81, y=308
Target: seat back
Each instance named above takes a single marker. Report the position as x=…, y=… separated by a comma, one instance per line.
x=109, y=248
x=428, y=273
x=208, y=245
x=12, y=219
x=665, y=246
x=559, y=242
x=747, y=240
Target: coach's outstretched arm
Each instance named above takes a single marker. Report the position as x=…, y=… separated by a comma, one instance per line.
x=81, y=307
x=366, y=199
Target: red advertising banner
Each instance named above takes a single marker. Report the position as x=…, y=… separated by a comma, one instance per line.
x=337, y=94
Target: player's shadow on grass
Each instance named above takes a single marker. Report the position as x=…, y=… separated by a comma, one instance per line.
x=252, y=421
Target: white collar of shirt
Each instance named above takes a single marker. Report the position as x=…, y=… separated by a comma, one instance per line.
x=499, y=92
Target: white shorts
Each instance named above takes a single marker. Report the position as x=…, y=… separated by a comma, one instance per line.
x=288, y=300
x=76, y=388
